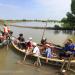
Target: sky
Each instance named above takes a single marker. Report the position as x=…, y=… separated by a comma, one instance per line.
x=34, y=9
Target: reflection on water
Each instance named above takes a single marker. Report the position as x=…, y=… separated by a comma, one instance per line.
x=68, y=31
x=56, y=31
x=8, y=58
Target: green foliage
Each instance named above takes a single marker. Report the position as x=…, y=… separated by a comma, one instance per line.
x=73, y=6
x=70, y=20
x=64, y=20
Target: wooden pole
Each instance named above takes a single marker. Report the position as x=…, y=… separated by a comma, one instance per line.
x=44, y=30
x=62, y=67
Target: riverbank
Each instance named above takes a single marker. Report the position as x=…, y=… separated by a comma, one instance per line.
x=49, y=28
x=56, y=27
x=25, y=20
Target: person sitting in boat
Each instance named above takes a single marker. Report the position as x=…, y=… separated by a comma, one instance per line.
x=67, y=50
x=30, y=43
x=6, y=31
x=21, y=41
x=42, y=44
x=36, y=52
x=1, y=38
x=43, y=41
x=48, y=52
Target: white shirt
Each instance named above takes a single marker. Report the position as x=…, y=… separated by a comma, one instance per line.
x=36, y=51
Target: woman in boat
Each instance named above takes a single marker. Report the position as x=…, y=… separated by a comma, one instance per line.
x=67, y=50
x=21, y=41
x=36, y=52
x=30, y=43
x=1, y=39
x=29, y=46
x=48, y=52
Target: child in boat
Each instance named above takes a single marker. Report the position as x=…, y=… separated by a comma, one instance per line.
x=36, y=52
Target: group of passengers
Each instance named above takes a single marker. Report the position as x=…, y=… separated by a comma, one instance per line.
x=45, y=49
x=5, y=33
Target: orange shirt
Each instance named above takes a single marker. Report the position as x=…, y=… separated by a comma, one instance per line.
x=8, y=29
x=5, y=29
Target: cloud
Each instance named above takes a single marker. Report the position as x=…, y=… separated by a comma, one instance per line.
x=55, y=9
x=53, y=2
x=45, y=9
x=8, y=6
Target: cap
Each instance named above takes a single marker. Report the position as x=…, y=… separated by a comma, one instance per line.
x=34, y=44
x=63, y=70
x=30, y=38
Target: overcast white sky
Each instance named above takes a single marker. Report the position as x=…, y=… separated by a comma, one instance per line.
x=34, y=9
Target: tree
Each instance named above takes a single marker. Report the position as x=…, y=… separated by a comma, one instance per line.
x=73, y=7
x=70, y=20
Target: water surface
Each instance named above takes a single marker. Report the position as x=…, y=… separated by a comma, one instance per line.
x=9, y=58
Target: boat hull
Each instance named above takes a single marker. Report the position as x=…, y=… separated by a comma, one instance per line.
x=41, y=57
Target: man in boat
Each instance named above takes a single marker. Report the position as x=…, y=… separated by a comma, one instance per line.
x=43, y=41
x=6, y=29
x=7, y=32
x=43, y=44
x=21, y=41
x=36, y=52
x=67, y=50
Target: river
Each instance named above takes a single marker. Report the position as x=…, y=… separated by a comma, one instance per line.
x=9, y=58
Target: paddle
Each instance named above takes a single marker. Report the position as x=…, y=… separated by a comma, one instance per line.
x=25, y=57
x=8, y=39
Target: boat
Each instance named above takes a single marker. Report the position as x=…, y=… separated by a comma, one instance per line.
x=41, y=57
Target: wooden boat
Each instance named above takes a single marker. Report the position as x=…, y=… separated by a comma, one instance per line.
x=41, y=57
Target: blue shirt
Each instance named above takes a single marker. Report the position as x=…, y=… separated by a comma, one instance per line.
x=48, y=53
x=69, y=47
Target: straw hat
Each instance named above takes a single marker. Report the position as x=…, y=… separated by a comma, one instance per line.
x=47, y=45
